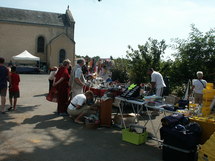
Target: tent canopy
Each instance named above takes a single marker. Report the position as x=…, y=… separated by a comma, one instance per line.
x=25, y=55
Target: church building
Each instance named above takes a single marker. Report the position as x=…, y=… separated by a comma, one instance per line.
x=49, y=36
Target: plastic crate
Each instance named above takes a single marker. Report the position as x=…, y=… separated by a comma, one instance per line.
x=209, y=86
x=208, y=128
x=207, y=103
x=206, y=111
x=133, y=137
x=203, y=156
x=208, y=94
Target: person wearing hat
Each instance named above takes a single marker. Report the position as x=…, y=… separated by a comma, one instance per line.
x=198, y=85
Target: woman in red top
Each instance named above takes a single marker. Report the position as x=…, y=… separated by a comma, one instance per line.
x=61, y=83
x=13, y=88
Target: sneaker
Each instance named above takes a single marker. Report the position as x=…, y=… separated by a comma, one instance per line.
x=9, y=109
x=63, y=114
x=78, y=122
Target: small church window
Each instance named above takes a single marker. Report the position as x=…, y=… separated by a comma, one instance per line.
x=40, y=44
x=62, y=55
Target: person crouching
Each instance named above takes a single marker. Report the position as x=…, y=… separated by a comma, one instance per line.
x=78, y=107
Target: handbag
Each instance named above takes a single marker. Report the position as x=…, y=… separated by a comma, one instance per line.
x=52, y=95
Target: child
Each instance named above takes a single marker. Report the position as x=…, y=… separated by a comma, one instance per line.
x=13, y=88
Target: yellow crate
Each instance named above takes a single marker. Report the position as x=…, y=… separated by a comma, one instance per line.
x=209, y=86
x=208, y=94
x=209, y=146
x=206, y=110
x=208, y=128
x=203, y=156
x=206, y=103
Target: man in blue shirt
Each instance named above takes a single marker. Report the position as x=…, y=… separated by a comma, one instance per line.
x=4, y=75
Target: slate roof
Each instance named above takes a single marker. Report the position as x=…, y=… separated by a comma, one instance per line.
x=36, y=17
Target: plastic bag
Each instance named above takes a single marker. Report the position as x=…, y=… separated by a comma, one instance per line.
x=52, y=95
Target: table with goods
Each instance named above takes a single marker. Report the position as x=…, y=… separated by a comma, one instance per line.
x=186, y=129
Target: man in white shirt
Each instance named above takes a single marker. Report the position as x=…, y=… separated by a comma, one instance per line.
x=157, y=81
x=77, y=108
x=198, y=85
x=77, y=80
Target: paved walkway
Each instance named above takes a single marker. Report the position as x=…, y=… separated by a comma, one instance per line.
x=35, y=133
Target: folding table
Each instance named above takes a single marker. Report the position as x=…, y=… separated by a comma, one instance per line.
x=138, y=107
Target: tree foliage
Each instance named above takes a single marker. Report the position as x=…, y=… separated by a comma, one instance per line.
x=197, y=53
x=146, y=56
x=119, y=70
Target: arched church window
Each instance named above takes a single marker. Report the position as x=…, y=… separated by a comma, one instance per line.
x=40, y=44
x=62, y=55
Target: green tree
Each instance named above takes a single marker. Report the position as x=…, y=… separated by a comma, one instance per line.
x=119, y=70
x=197, y=53
x=146, y=56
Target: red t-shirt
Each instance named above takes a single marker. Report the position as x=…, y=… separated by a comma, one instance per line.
x=14, y=82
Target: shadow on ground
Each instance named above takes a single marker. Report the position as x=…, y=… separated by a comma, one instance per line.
x=41, y=95
x=7, y=120
x=59, y=139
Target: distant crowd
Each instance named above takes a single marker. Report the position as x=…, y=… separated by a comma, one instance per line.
x=69, y=83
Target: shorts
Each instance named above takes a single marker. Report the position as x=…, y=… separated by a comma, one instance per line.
x=13, y=94
x=198, y=98
x=85, y=110
x=3, y=92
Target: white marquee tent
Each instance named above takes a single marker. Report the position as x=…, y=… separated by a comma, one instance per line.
x=25, y=55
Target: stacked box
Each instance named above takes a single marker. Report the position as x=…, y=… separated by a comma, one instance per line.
x=203, y=156
x=206, y=151
x=208, y=127
x=208, y=96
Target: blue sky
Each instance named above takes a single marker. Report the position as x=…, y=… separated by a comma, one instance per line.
x=106, y=28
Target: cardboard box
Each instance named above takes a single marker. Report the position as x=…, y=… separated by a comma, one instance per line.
x=128, y=119
x=171, y=99
x=133, y=137
x=91, y=125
